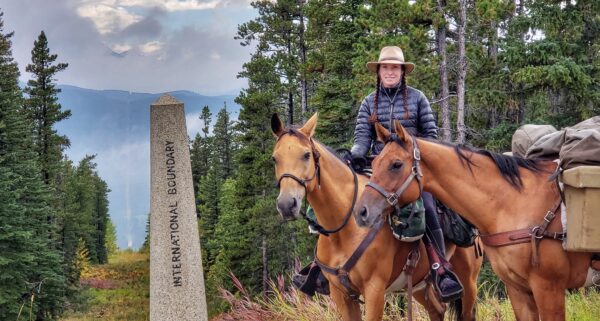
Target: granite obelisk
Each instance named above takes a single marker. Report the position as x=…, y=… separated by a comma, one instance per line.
x=176, y=278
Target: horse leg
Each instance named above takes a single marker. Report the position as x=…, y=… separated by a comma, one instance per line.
x=374, y=302
x=523, y=304
x=550, y=299
x=430, y=301
x=466, y=267
x=348, y=308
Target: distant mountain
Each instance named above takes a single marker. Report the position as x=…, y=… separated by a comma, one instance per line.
x=115, y=126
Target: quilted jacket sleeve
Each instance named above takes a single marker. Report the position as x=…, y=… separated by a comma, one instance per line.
x=427, y=126
x=363, y=130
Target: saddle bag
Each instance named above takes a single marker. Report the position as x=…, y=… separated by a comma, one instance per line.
x=456, y=229
x=408, y=222
x=311, y=280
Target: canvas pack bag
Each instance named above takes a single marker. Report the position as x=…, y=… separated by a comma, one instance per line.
x=581, y=145
x=408, y=222
x=526, y=135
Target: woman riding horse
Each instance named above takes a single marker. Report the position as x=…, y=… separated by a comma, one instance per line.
x=305, y=168
x=510, y=200
x=394, y=99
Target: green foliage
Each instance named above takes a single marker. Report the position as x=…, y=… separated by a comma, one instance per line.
x=110, y=240
x=115, y=291
x=29, y=259
x=43, y=109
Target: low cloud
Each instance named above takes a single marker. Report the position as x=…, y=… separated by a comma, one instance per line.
x=107, y=18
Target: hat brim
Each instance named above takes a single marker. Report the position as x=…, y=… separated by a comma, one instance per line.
x=372, y=65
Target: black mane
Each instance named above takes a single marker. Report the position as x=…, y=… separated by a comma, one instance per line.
x=507, y=165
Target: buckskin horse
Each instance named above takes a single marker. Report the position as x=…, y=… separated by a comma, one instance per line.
x=306, y=168
x=510, y=200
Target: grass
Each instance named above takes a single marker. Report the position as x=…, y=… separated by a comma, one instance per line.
x=119, y=291
x=116, y=291
x=290, y=305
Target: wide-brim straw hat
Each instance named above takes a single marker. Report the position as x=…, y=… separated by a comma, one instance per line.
x=391, y=55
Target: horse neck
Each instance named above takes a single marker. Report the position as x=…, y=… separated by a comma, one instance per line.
x=333, y=199
x=481, y=194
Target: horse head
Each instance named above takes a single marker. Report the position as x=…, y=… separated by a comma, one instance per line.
x=396, y=178
x=296, y=164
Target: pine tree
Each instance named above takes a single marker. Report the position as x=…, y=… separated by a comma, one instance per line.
x=43, y=108
x=223, y=143
x=332, y=32
x=201, y=149
x=29, y=262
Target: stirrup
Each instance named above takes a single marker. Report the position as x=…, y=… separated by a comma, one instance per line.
x=448, y=296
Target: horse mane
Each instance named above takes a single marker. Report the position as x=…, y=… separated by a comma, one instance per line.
x=507, y=165
x=293, y=130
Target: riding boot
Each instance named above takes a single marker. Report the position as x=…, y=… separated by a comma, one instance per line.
x=445, y=281
x=438, y=240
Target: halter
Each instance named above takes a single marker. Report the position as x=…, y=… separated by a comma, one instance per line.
x=317, y=174
x=416, y=173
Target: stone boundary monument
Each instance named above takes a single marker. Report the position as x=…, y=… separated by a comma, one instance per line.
x=176, y=279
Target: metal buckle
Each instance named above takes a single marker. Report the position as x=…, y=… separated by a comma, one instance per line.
x=416, y=153
x=392, y=199
x=435, y=266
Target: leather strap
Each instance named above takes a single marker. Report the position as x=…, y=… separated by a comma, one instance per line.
x=409, y=268
x=506, y=238
x=342, y=272
x=517, y=237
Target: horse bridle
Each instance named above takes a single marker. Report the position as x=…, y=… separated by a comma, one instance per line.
x=317, y=174
x=416, y=173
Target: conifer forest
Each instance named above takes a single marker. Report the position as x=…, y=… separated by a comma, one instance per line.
x=486, y=66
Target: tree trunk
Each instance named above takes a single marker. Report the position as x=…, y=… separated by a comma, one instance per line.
x=265, y=269
x=443, y=73
x=303, y=86
x=462, y=73
x=493, y=42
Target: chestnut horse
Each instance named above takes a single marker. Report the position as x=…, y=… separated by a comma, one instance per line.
x=497, y=194
x=306, y=168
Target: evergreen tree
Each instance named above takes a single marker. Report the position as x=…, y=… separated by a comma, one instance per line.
x=223, y=143
x=100, y=218
x=29, y=261
x=43, y=108
x=332, y=32
x=201, y=150
x=277, y=31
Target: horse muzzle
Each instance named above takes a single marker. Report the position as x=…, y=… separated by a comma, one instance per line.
x=364, y=216
x=289, y=207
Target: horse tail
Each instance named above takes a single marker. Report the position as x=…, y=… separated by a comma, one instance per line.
x=455, y=310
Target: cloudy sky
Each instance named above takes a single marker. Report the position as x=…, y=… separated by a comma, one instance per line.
x=151, y=46
x=137, y=45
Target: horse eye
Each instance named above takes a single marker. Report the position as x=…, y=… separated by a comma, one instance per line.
x=306, y=156
x=273, y=159
x=396, y=165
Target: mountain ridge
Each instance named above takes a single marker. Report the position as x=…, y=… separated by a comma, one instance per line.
x=115, y=125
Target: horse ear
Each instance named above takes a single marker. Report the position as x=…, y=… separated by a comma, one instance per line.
x=401, y=131
x=309, y=128
x=276, y=125
x=383, y=135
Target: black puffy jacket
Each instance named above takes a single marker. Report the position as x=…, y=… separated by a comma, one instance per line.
x=420, y=121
